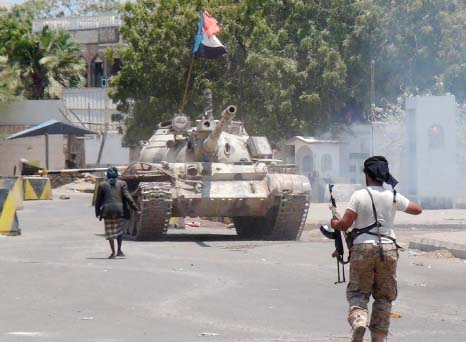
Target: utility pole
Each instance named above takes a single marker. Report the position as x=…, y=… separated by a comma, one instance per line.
x=373, y=87
x=372, y=115
x=104, y=136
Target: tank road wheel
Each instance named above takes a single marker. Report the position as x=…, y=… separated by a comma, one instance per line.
x=155, y=202
x=284, y=221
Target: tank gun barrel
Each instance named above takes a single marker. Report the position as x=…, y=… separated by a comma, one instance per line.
x=211, y=142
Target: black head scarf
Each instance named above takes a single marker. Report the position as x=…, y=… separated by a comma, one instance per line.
x=112, y=175
x=376, y=167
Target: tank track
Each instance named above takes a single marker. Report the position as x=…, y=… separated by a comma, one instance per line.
x=155, y=203
x=285, y=221
x=290, y=218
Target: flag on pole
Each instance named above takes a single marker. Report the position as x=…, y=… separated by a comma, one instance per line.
x=206, y=44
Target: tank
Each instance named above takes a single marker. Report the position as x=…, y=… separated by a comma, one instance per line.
x=213, y=168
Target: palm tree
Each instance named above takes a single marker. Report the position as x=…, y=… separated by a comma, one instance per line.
x=48, y=62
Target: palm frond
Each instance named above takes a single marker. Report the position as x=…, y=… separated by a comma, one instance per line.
x=49, y=61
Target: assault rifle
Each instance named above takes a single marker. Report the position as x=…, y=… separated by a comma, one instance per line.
x=338, y=236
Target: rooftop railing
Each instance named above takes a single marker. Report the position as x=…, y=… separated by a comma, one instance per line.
x=77, y=23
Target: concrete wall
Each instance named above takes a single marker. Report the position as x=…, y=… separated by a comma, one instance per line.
x=33, y=149
x=431, y=158
x=15, y=116
x=113, y=153
x=30, y=112
x=91, y=106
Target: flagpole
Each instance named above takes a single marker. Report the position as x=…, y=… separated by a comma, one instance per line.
x=185, y=95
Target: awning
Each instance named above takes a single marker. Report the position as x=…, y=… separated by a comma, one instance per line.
x=51, y=127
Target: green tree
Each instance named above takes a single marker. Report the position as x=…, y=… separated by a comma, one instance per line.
x=14, y=24
x=420, y=47
x=48, y=62
x=293, y=66
x=12, y=27
x=10, y=84
x=158, y=37
x=287, y=63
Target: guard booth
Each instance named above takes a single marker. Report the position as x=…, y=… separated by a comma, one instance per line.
x=36, y=185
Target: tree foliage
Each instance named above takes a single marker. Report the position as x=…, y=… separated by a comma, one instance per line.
x=36, y=65
x=10, y=85
x=48, y=62
x=293, y=66
x=61, y=8
x=420, y=47
x=287, y=63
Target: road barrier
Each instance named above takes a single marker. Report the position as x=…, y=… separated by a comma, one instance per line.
x=15, y=185
x=8, y=219
x=37, y=188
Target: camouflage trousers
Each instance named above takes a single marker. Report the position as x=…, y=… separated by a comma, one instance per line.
x=369, y=275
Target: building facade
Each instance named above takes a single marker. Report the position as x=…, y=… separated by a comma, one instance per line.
x=94, y=34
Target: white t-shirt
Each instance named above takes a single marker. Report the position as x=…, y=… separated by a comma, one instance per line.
x=361, y=204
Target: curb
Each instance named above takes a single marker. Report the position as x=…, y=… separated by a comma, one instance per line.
x=429, y=245
x=459, y=226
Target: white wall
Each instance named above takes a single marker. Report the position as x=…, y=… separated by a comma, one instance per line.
x=33, y=149
x=113, y=153
x=435, y=171
x=30, y=112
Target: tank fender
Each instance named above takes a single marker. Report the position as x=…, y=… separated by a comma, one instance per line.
x=286, y=183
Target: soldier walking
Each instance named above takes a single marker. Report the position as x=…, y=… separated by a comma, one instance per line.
x=374, y=252
x=111, y=205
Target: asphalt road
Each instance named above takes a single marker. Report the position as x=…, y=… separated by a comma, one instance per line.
x=57, y=285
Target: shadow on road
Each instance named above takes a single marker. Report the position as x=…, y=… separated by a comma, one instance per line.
x=199, y=238
x=193, y=237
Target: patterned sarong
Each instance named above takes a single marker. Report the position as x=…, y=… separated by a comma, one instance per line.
x=113, y=228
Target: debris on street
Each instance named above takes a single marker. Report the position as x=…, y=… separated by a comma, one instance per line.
x=209, y=334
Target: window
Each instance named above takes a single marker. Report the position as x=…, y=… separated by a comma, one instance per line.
x=98, y=72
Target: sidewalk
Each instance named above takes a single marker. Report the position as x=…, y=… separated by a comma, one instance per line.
x=437, y=220
x=455, y=242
